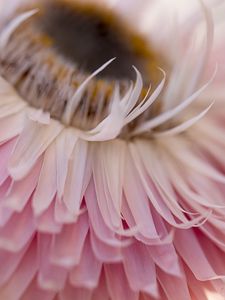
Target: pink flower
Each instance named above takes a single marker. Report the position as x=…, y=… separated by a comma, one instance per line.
x=110, y=190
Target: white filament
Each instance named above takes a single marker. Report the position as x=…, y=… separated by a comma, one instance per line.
x=123, y=110
x=13, y=25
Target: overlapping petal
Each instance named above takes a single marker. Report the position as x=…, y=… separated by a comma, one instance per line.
x=90, y=215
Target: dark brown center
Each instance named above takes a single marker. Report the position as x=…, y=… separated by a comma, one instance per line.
x=51, y=54
x=89, y=37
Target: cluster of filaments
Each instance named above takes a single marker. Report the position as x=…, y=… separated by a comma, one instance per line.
x=98, y=109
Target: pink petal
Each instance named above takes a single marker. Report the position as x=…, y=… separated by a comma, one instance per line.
x=153, y=194
x=32, y=143
x=9, y=263
x=197, y=288
x=67, y=246
x=105, y=252
x=117, y=283
x=140, y=269
x=22, y=277
x=113, y=157
x=5, y=213
x=14, y=240
x=101, y=293
x=62, y=213
x=138, y=201
x=71, y=293
x=77, y=178
x=21, y=191
x=50, y=277
x=166, y=258
x=4, y=187
x=46, y=222
x=46, y=187
x=194, y=255
x=11, y=126
x=164, y=255
x=83, y=275
x=97, y=223
x=214, y=255
x=63, y=155
x=174, y=287
x=215, y=233
x=35, y=293
x=5, y=153
x=108, y=170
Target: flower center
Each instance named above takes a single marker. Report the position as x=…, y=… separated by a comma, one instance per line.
x=89, y=38
x=51, y=54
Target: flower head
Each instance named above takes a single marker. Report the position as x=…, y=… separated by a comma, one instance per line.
x=112, y=173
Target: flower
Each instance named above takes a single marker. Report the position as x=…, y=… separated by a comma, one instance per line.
x=110, y=190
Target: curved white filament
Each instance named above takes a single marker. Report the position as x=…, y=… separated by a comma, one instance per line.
x=11, y=27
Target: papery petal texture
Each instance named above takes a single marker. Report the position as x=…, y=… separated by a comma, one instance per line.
x=89, y=215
